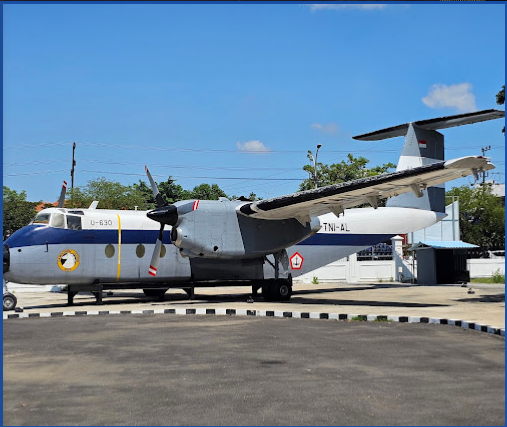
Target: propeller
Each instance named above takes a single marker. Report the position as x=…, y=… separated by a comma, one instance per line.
x=164, y=213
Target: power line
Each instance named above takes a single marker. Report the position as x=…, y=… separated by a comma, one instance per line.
x=216, y=150
x=162, y=176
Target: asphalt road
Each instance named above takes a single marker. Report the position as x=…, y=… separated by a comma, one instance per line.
x=221, y=370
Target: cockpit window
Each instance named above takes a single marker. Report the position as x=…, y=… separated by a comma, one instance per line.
x=42, y=218
x=58, y=220
x=73, y=222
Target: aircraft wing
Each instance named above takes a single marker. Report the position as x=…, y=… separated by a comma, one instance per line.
x=335, y=198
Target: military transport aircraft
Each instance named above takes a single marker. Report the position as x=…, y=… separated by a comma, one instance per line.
x=263, y=244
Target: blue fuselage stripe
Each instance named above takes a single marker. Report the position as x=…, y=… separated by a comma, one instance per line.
x=327, y=239
x=38, y=235
x=32, y=235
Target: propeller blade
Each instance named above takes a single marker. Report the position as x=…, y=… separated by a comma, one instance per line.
x=61, y=200
x=158, y=197
x=156, y=253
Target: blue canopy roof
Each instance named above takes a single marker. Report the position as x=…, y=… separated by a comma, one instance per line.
x=442, y=244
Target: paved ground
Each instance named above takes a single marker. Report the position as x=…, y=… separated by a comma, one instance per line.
x=207, y=370
x=485, y=306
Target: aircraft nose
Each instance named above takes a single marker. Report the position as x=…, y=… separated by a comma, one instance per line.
x=7, y=258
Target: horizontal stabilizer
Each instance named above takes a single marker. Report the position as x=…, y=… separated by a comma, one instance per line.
x=433, y=124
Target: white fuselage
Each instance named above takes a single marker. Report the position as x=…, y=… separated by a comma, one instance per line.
x=116, y=246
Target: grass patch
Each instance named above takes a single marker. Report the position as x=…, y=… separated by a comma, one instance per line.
x=360, y=318
x=493, y=279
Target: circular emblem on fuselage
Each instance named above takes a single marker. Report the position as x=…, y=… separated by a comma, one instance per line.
x=68, y=260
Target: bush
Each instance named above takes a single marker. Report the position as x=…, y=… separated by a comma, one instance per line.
x=498, y=277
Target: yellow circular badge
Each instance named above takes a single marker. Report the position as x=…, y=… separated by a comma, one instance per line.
x=68, y=260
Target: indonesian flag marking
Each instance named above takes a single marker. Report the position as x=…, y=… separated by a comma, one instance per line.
x=196, y=204
x=422, y=144
x=152, y=271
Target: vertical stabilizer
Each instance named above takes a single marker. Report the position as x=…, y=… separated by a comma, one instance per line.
x=422, y=147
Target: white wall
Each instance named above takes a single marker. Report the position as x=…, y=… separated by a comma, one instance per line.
x=352, y=271
x=485, y=267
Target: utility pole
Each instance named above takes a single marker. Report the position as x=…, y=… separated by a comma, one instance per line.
x=72, y=172
x=484, y=149
x=315, y=181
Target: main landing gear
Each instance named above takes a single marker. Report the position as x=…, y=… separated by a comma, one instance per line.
x=277, y=289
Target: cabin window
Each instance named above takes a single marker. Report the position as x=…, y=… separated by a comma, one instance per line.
x=140, y=250
x=109, y=251
x=42, y=218
x=58, y=220
x=77, y=212
x=73, y=222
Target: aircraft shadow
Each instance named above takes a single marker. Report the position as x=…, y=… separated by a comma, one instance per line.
x=129, y=298
x=485, y=298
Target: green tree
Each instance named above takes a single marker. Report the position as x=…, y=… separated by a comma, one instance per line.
x=110, y=194
x=17, y=211
x=481, y=216
x=252, y=197
x=347, y=170
x=173, y=192
x=500, y=100
x=207, y=192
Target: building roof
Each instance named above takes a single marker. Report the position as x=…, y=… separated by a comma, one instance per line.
x=443, y=244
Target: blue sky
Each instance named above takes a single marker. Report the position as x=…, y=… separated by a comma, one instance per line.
x=188, y=89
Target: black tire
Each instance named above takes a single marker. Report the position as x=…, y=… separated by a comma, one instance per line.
x=10, y=302
x=277, y=290
x=159, y=293
x=283, y=290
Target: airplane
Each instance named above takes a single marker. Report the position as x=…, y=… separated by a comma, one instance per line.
x=262, y=244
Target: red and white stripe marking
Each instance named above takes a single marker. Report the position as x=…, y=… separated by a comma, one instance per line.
x=422, y=144
x=196, y=204
x=152, y=271
x=64, y=184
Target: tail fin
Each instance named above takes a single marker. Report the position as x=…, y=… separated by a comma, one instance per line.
x=424, y=145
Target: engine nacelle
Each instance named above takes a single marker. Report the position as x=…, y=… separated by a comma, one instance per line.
x=217, y=230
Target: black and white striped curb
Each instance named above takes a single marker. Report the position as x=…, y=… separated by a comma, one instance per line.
x=267, y=313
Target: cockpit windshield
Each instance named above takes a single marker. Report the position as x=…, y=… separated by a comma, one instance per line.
x=42, y=218
x=58, y=220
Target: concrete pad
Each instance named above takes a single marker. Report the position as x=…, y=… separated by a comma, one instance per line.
x=485, y=307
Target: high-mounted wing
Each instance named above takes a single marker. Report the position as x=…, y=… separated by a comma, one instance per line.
x=335, y=198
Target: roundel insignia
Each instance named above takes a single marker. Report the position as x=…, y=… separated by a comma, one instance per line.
x=296, y=261
x=68, y=260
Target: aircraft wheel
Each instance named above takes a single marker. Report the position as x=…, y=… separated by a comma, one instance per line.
x=278, y=290
x=10, y=302
x=155, y=292
x=283, y=290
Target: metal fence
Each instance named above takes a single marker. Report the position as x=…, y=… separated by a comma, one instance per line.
x=379, y=252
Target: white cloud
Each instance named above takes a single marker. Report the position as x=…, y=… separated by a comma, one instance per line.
x=331, y=128
x=457, y=96
x=252, y=147
x=371, y=6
